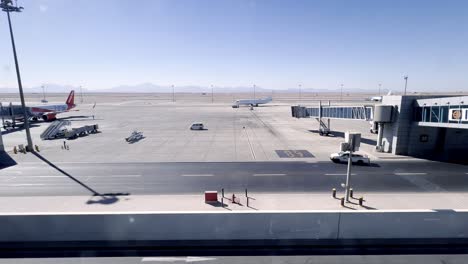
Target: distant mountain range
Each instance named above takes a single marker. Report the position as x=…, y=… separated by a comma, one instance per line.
x=154, y=88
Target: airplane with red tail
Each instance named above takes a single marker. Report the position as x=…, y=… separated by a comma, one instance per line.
x=48, y=112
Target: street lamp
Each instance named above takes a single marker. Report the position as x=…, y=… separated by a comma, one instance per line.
x=406, y=82
x=173, y=94
x=7, y=6
x=212, y=94
x=341, y=94
x=43, y=95
x=300, y=93
x=254, y=91
x=380, y=87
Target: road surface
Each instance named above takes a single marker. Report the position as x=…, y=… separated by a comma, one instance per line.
x=40, y=179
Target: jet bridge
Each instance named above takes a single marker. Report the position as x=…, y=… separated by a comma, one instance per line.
x=364, y=112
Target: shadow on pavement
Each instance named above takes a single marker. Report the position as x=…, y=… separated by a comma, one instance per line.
x=340, y=134
x=219, y=204
x=12, y=130
x=101, y=198
x=6, y=161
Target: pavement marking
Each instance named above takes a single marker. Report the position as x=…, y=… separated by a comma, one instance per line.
x=123, y=176
x=338, y=174
x=269, y=174
x=112, y=176
x=252, y=152
x=42, y=176
x=197, y=175
x=174, y=259
x=410, y=173
x=22, y=184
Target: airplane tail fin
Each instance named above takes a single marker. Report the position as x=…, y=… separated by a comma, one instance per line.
x=71, y=100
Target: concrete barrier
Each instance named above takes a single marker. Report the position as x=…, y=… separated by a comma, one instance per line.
x=167, y=226
x=404, y=224
x=147, y=226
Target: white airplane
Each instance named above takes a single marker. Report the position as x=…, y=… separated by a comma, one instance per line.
x=378, y=98
x=46, y=112
x=251, y=102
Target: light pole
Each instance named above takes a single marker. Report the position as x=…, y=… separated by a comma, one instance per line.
x=173, y=94
x=254, y=90
x=7, y=6
x=81, y=93
x=406, y=82
x=380, y=87
x=300, y=93
x=43, y=95
x=212, y=94
x=341, y=94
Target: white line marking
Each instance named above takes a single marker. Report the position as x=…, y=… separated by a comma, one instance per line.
x=110, y=176
x=22, y=184
x=197, y=175
x=338, y=174
x=174, y=259
x=252, y=152
x=270, y=174
x=61, y=176
x=129, y=175
x=410, y=173
x=48, y=176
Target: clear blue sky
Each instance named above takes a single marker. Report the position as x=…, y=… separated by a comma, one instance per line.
x=274, y=44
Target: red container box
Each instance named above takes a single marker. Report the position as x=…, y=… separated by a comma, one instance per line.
x=211, y=196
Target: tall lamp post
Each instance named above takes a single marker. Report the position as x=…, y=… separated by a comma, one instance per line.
x=254, y=91
x=212, y=94
x=173, y=94
x=341, y=94
x=406, y=82
x=300, y=93
x=7, y=6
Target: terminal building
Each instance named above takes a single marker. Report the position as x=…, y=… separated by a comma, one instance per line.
x=421, y=126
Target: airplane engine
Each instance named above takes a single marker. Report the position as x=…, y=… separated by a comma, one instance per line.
x=49, y=117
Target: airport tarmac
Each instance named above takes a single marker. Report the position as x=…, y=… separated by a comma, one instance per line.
x=265, y=150
x=267, y=133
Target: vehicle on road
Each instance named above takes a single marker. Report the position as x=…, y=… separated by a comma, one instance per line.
x=197, y=126
x=134, y=137
x=356, y=158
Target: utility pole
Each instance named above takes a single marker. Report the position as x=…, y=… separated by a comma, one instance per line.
x=341, y=94
x=380, y=87
x=173, y=94
x=254, y=90
x=300, y=93
x=212, y=94
x=81, y=93
x=43, y=95
x=348, y=176
x=406, y=82
x=7, y=6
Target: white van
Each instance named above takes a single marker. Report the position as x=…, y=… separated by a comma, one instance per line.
x=197, y=126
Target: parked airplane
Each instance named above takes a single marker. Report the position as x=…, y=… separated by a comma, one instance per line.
x=251, y=102
x=46, y=112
